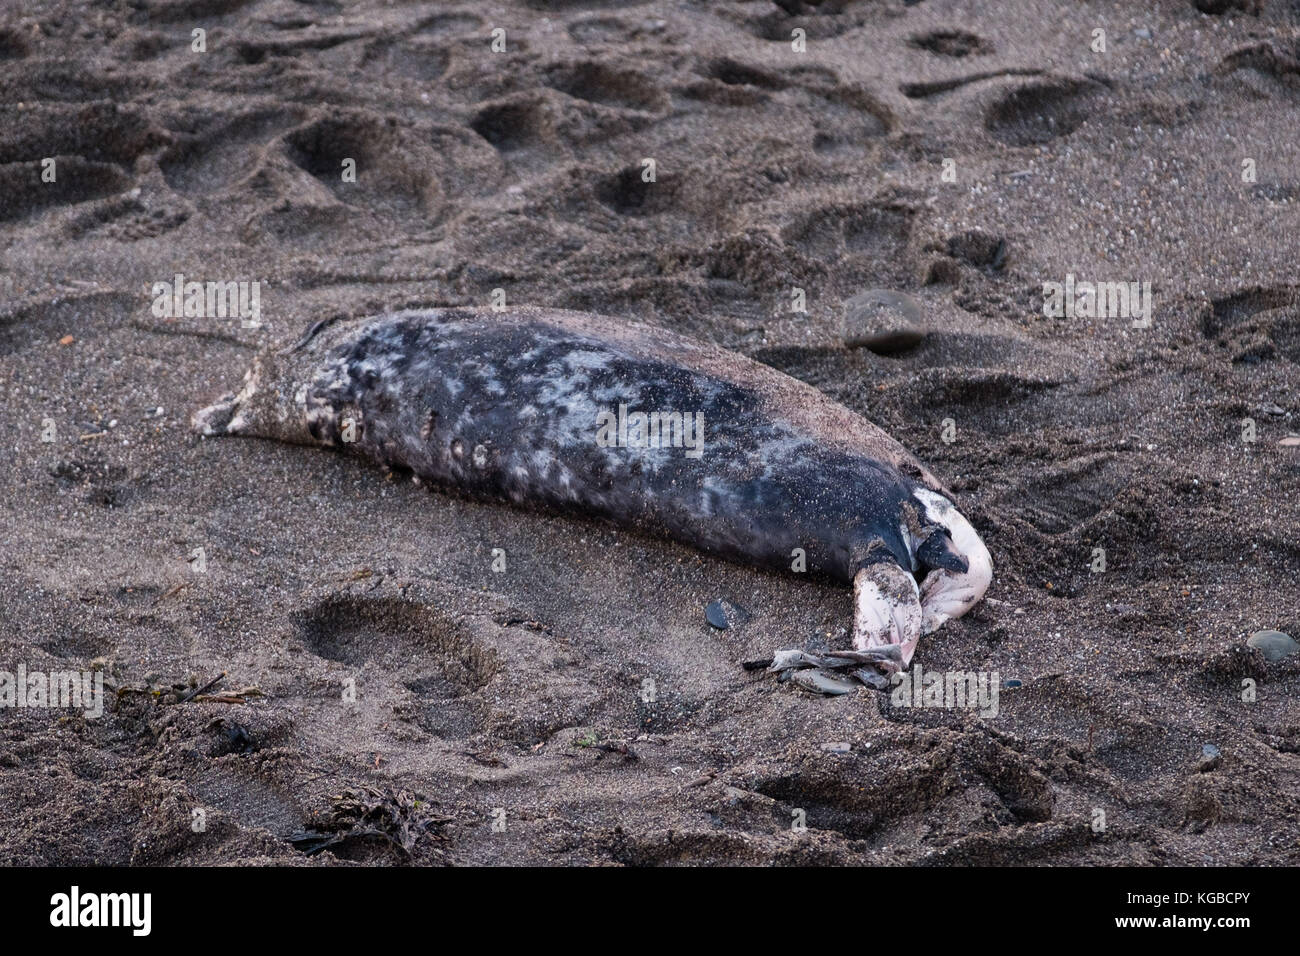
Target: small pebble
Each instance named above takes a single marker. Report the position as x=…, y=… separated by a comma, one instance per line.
x=1274, y=645
x=1210, y=758
x=724, y=615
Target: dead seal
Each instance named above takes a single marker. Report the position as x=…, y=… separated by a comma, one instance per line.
x=566, y=411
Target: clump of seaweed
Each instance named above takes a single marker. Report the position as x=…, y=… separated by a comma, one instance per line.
x=398, y=819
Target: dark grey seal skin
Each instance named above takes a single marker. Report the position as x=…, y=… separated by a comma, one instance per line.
x=518, y=406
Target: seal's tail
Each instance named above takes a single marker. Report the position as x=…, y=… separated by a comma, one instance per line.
x=215, y=418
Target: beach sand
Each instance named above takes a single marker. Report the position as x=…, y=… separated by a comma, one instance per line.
x=577, y=708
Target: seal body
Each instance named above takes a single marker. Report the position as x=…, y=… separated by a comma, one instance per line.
x=612, y=419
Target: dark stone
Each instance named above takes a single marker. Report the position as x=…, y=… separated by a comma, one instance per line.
x=724, y=615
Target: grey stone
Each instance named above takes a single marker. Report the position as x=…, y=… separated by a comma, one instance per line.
x=883, y=321
x=1274, y=645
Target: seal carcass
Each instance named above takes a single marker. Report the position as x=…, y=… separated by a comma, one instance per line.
x=651, y=430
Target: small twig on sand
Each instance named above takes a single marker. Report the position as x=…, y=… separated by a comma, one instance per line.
x=174, y=590
x=701, y=780
x=204, y=689
x=622, y=749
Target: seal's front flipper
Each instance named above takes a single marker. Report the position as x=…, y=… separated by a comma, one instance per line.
x=886, y=610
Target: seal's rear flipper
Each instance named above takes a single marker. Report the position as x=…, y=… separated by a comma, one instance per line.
x=886, y=610
x=228, y=414
x=215, y=419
